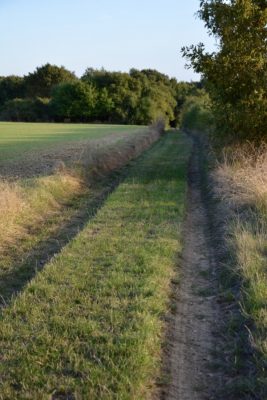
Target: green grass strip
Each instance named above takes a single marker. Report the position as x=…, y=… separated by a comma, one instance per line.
x=90, y=325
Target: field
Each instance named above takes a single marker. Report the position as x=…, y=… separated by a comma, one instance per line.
x=16, y=139
x=28, y=149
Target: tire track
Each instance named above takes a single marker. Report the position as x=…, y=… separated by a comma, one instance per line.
x=193, y=327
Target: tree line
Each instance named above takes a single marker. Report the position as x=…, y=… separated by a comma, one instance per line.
x=53, y=93
x=236, y=74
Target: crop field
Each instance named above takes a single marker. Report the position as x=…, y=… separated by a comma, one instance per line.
x=31, y=149
x=18, y=138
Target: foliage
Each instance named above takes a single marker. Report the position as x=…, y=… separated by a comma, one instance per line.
x=182, y=90
x=75, y=101
x=196, y=112
x=236, y=74
x=11, y=87
x=29, y=110
x=41, y=82
x=138, y=97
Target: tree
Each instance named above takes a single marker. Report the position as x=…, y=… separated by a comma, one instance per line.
x=11, y=87
x=104, y=106
x=41, y=82
x=74, y=100
x=236, y=75
x=181, y=92
x=139, y=97
x=195, y=113
x=118, y=90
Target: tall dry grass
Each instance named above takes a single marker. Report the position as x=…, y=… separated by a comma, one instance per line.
x=241, y=185
x=242, y=176
x=12, y=204
x=24, y=204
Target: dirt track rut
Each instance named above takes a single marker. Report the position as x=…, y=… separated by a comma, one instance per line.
x=192, y=336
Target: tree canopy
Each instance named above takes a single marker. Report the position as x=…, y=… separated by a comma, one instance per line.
x=11, y=87
x=236, y=74
x=74, y=101
x=45, y=78
x=137, y=97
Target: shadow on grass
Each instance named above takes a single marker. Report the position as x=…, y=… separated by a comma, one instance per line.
x=24, y=260
x=25, y=265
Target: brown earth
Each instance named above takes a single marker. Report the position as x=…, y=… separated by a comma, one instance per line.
x=45, y=161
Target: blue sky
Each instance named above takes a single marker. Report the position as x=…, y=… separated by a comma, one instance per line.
x=114, y=34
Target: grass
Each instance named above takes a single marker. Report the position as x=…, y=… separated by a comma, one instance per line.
x=90, y=324
x=48, y=209
x=241, y=181
x=18, y=138
x=30, y=202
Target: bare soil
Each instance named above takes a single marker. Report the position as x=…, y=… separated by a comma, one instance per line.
x=45, y=161
x=193, y=327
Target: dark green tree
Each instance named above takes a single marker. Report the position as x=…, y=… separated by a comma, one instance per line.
x=139, y=97
x=11, y=87
x=104, y=106
x=75, y=101
x=41, y=82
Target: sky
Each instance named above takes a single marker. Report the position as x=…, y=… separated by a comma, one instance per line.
x=115, y=34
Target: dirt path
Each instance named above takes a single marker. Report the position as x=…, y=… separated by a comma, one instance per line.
x=195, y=322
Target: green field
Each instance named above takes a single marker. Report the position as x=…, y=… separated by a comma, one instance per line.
x=90, y=325
x=18, y=138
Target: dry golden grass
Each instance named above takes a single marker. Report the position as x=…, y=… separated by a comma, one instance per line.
x=12, y=204
x=24, y=204
x=241, y=184
x=242, y=176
